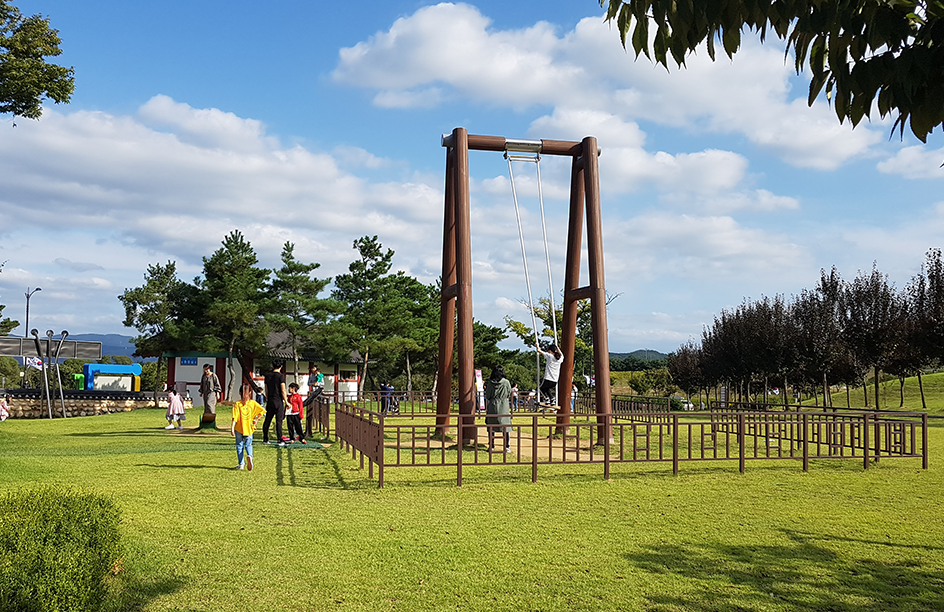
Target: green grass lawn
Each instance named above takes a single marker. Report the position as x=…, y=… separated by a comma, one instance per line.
x=890, y=394
x=307, y=530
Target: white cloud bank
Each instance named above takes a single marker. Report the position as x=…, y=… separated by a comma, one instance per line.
x=449, y=51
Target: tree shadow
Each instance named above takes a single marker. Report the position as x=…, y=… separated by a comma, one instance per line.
x=184, y=467
x=804, y=574
x=132, y=592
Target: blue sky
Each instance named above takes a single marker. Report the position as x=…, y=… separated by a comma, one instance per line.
x=318, y=123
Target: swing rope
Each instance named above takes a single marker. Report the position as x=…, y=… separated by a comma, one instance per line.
x=524, y=255
x=536, y=158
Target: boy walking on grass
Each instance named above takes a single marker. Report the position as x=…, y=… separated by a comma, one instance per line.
x=246, y=413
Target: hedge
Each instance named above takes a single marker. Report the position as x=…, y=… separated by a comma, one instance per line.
x=57, y=545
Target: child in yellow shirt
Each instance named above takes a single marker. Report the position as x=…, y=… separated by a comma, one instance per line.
x=245, y=414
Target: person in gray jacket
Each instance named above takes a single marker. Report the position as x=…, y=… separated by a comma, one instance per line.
x=498, y=407
x=210, y=391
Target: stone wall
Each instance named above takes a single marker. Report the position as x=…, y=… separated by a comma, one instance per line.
x=21, y=408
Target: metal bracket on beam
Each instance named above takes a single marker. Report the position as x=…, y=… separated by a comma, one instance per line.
x=520, y=145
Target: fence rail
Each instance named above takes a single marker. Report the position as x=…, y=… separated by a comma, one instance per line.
x=414, y=439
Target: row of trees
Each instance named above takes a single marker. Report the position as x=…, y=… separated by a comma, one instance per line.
x=835, y=334
x=387, y=321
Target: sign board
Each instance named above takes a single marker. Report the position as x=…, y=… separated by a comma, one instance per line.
x=71, y=349
x=185, y=361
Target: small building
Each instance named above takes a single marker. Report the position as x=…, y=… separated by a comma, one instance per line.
x=185, y=369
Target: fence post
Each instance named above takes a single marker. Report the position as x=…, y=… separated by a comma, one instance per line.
x=865, y=441
x=675, y=444
x=606, y=446
x=878, y=438
x=741, y=447
x=534, y=448
x=806, y=442
x=924, y=441
x=459, y=453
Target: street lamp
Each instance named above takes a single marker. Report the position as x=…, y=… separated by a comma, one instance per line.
x=28, y=295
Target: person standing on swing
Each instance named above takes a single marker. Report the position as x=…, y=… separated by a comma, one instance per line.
x=553, y=359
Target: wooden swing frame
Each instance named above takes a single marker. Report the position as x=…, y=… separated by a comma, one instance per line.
x=455, y=323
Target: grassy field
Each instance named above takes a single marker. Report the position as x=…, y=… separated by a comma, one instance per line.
x=307, y=530
x=890, y=397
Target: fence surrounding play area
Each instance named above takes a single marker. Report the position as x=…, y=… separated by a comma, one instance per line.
x=412, y=437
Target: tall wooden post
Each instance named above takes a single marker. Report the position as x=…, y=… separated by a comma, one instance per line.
x=571, y=295
x=601, y=348
x=447, y=314
x=464, y=287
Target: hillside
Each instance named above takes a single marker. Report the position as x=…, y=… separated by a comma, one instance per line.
x=112, y=344
x=643, y=354
x=890, y=398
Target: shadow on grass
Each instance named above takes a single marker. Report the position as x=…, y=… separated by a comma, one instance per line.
x=807, y=573
x=184, y=467
x=152, y=433
x=315, y=470
x=132, y=592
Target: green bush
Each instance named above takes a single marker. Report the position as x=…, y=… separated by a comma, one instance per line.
x=57, y=545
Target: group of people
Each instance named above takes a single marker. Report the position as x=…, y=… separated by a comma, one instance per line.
x=281, y=403
x=285, y=403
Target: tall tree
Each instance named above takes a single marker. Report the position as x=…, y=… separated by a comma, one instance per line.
x=871, y=309
x=295, y=305
x=235, y=301
x=857, y=50
x=26, y=78
x=930, y=305
x=388, y=317
x=153, y=309
x=358, y=327
x=685, y=368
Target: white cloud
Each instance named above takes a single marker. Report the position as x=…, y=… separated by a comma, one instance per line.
x=451, y=50
x=690, y=247
x=160, y=192
x=94, y=191
x=916, y=162
x=203, y=127
x=358, y=157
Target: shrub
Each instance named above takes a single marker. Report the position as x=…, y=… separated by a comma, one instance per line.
x=56, y=547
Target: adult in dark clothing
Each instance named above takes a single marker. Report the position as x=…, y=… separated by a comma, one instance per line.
x=276, y=398
x=386, y=397
x=498, y=407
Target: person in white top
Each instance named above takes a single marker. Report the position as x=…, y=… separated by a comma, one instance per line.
x=553, y=358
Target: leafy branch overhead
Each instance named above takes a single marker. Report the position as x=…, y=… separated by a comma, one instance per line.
x=866, y=54
x=25, y=76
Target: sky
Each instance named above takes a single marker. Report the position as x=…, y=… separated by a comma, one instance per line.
x=319, y=123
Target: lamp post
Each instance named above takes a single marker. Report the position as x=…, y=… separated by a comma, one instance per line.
x=28, y=295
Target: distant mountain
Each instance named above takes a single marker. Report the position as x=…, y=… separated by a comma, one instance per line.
x=643, y=354
x=112, y=344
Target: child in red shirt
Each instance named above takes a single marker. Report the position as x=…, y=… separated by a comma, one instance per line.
x=293, y=415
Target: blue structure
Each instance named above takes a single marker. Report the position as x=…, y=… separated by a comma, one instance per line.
x=91, y=369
